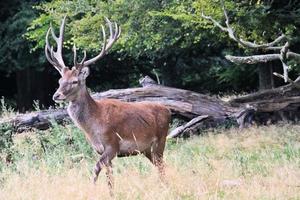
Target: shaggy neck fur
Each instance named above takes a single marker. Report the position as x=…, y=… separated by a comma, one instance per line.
x=81, y=108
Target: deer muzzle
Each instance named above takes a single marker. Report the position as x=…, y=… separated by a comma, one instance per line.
x=58, y=97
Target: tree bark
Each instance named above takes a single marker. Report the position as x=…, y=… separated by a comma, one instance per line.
x=262, y=107
x=183, y=103
x=191, y=126
x=31, y=85
x=265, y=74
x=169, y=72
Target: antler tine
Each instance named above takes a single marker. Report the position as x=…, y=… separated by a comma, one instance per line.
x=58, y=53
x=50, y=59
x=55, y=57
x=81, y=64
x=51, y=62
x=53, y=34
x=84, y=57
x=114, y=35
x=119, y=32
x=48, y=48
x=75, y=55
x=47, y=39
x=78, y=65
x=110, y=27
x=91, y=61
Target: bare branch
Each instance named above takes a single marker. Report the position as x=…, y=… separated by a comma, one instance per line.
x=253, y=59
x=267, y=46
x=282, y=76
x=292, y=55
x=214, y=21
x=261, y=58
x=283, y=59
x=244, y=43
x=194, y=122
x=267, y=58
x=283, y=56
x=293, y=83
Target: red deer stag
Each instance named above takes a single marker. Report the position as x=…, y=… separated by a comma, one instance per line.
x=112, y=127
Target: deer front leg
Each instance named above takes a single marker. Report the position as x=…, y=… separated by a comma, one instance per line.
x=105, y=160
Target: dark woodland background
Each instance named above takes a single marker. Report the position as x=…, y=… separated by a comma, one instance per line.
x=164, y=37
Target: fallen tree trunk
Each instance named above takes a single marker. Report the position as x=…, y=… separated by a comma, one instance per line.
x=269, y=100
x=183, y=103
x=271, y=106
x=276, y=104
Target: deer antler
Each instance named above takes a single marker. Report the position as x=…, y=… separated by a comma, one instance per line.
x=114, y=35
x=75, y=57
x=55, y=57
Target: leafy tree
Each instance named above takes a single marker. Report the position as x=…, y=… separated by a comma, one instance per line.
x=16, y=58
x=251, y=21
x=166, y=35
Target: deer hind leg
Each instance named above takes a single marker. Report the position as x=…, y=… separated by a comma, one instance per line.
x=155, y=155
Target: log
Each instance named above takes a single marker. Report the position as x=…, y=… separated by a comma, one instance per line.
x=275, y=104
x=39, y=120
x=183, y=103
x=270, y=100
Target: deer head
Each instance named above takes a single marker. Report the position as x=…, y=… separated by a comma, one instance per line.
x=73, y=79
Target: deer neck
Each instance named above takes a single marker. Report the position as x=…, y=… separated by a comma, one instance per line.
x=82, y=107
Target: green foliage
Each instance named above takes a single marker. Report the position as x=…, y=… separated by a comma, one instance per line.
x=54, y=146
x=14, y=48
x=6, y=133
x=6, y=109
x=169, y=36
x=6, y=139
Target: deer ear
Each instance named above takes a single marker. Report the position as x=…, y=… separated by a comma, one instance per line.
x=84, y=72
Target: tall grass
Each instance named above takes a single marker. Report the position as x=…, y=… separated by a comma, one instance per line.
x=254, y=163
x=6, y=110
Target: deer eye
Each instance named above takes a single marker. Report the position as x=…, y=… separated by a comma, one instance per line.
x=74, y=82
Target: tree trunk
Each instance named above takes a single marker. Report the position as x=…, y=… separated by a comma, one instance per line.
x=169, y=72
x=265, y=73
x=31, y=85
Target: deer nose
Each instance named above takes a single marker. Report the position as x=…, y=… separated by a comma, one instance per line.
x=56, y=96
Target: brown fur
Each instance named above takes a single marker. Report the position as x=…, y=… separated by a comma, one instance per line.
x=115, y=128
x=112, y=127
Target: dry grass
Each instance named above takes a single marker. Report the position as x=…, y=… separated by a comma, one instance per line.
x=256, y=163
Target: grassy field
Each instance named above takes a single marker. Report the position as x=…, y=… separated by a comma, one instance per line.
x=255, y=163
